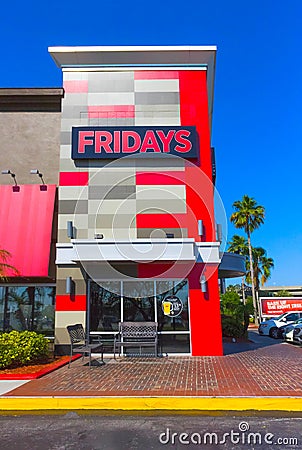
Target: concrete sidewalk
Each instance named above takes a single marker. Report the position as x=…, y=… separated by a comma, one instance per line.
x=252, y=376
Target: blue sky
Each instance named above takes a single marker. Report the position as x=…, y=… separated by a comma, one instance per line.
x=257, y=129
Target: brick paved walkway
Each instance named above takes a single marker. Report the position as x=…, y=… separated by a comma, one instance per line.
x=262, y=372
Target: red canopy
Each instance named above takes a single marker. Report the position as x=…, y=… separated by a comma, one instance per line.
x=26, y=216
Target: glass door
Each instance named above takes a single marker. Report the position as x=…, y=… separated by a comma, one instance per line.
x=162, y=301
x=138, y=301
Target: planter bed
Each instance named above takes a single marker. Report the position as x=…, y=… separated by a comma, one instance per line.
x=34, y=371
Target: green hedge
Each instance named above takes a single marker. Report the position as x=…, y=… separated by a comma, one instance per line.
x=231, y=327
x=22, y=348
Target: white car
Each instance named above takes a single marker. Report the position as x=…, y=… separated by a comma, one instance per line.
x=297, y=334
x=288, y=330
x=271, y=327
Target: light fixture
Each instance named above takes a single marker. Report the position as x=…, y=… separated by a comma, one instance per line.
x=219, y=232
x=37, y=172
x=169, y=235
x=98, y=236
x=8, y=172
x=69, y=285
x=200, y=227
x=70, y=230
x=203, y=284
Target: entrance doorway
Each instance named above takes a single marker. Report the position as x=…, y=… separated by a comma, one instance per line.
x=111, y=302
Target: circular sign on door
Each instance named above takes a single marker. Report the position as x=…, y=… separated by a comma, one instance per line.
x=172, y=306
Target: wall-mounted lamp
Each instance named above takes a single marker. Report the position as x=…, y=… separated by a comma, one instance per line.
x=203, y=284
x=69, y=284
x=98, y=236
x=36, y=172
x=70, y=231
x=8, y=172
x=219, y=232
x=200, y=227
x=169, y=235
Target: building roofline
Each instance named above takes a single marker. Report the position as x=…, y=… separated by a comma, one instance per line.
x=133, y=48
x=140, y=57
x=31, y=99
x=49, y=91
x=281, y=288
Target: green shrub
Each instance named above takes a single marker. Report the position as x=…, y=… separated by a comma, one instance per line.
x=22, y=348
x=231, y=327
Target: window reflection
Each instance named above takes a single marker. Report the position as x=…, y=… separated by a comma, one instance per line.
x=139, y=301
x=27, y=308
x=105, y=306
x=179, y=289
x=174, y=343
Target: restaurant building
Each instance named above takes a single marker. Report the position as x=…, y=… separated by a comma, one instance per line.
x=123, y=226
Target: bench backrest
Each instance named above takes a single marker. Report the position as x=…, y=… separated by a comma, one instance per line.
x=138, y=329
x=76, y=333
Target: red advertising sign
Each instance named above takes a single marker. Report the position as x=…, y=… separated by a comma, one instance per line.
x=275, y=306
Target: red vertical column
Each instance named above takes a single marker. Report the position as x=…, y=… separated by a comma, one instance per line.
x=199, y=190
x=205, y=321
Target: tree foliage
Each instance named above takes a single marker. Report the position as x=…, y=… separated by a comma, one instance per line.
x=283, y=293
x=5, y=266
x=262, y=267
x=235, y=314
x=248, y=215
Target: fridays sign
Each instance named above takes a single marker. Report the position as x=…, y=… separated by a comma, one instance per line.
x=115, y=142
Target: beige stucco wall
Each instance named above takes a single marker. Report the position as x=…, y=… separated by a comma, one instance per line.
x=30, y=140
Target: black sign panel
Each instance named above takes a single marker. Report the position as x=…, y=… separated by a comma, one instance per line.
x=115, y=142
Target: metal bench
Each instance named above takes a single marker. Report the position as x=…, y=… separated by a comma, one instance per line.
x=80, y=344
x=136, y=334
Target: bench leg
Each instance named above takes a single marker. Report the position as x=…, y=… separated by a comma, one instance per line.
x=90, y=359
x=70, y=358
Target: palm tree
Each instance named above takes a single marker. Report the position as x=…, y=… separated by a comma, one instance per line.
x=249, y=216
x=4, y=266
x=262, y=266
x=238, y=245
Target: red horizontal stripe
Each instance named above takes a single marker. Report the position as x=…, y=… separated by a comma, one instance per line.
x=161, y=220
x=71, y=303
x=111, y=112
x=160, y=178
x=156, y=75
x=74, y=178
x=76, y=86
x=176, y=269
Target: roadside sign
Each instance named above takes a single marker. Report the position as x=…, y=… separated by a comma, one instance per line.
x=275, y=306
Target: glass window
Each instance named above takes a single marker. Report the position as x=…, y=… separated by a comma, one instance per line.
x=44, y=317
x=105, y=306
x=172, y=291
x=174, y=343
x=27, y=308
x=2, y=303
x=139, y=301
x=291, y=317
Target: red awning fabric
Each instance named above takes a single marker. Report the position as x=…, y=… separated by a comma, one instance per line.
x=26, y=216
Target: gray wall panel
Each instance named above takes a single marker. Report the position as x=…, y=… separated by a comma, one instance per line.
x=156, y=98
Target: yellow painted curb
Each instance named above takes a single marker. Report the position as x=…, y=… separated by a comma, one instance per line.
x=152, y=403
